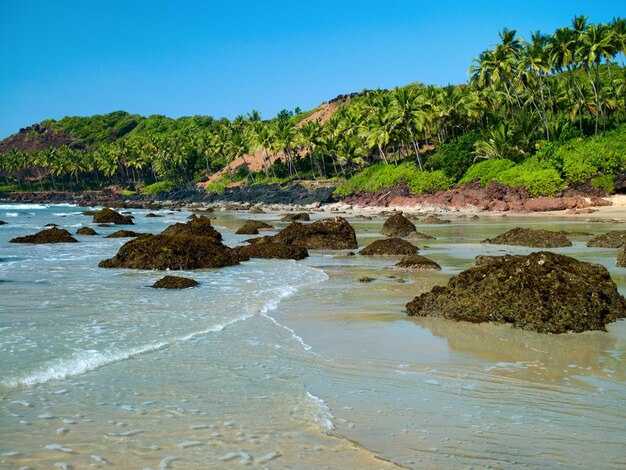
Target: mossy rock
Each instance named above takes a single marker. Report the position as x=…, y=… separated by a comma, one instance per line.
x=125, y=234
x=272, y=250
x=109, y=216
x=398, y=226
x=256, y=210
x=175, y=282
x=421, y=236
x=366, y=279
x=252, y=227
x=325, y=234
x=303, y=216
x=175, y=252
x=51, y=235
x=433, y=219
x=198, y=226
x=530, y=237
x=389, y=246
x=89, y=213
x=621, y=259
x=615, y=239
x=417, y=263
x=86, y=231
x=544, y=292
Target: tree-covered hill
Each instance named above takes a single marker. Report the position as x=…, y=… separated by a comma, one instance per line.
x=544, y=112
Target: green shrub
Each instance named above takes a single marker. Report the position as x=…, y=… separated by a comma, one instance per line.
x=429, y=182
x=537, y=181
x=375, y=177
x=127, y=192
x=454, y=158
x=487, y=170
x=606, y=182
x=160, y=187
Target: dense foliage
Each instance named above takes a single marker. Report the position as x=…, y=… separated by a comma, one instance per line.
x=543, y=113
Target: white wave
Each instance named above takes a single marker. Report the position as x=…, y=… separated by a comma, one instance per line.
x=11, y=214
x=22, y=207
x=322, y=414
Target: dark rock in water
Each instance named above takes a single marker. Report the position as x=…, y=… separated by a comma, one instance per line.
x=86, y=231
x=389, y=246
x=2, y=222
x=51, y=235
x=434, y=219
x=198, y=226
x=304, y=216
x=52, y=225
x=325, y=234
x=417, y=263
x=615, y=239
x=124, y=234
x=398, y=226
x=152, y=214
x=544, y=292
x=272, y=250
x=421, y=236
x=109, y=216
x=529, y=237
x=365, y=279
x=256, y=210
x=176, y=252
x=251, y=227
x=175, y=282
x=104, y=225
x=90, y=213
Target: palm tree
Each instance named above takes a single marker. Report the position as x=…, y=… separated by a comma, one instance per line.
x=501, y=142
x=409, y=114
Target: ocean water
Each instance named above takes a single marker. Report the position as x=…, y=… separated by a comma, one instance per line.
x=283, y=364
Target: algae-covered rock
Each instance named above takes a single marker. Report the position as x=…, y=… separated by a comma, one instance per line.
x=621, y=259
x=272, y=250
x=389, y=246
x=530, y=237
x=417, y=263
x=325, y=234
x=297, y=216
x=198, y=226
x=252, y=227
x=51, y=235
x=175, y=282
x=615, y=239
x=421, y=236
x=176, y=252
x=125, y=234
x=109, y=216
x=256, y=210
x=86, y=231
x=544, y=292
x=366, y=279
x=434, y=219
x=398, y=226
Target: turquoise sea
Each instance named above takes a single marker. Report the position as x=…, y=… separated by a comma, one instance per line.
x=284, y=364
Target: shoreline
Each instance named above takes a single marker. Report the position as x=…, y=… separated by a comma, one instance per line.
x=608, y=209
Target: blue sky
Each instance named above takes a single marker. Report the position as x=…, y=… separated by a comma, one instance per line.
x=226, y=58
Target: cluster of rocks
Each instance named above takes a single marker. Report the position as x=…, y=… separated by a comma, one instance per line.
x=494, y=197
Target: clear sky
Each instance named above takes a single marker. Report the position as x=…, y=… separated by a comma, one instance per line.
x=226, y=58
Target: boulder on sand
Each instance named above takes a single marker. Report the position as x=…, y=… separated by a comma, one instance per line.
x=325, y=234
x=51, y=235
x=125, y=234
x=252, y=227
x=544, y=292
x=530, y=237
x=398, y=226
x=417, y=263
x=389, y=246
x=86, y=231
x=175, y=282
x=272, y=250
x=109, y=216
x=615, y=239
x=197, y=226
x=176, y=252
